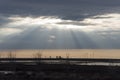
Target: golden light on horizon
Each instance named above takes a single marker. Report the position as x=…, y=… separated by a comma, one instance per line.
x=73, y=53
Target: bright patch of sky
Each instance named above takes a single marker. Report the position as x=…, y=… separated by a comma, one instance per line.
x=100, y=31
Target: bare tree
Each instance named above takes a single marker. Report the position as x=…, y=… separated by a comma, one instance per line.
x=11, y=55
x=67, y=56
x=0, y=55
x=38, y=55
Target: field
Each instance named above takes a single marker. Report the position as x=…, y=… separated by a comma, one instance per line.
x=64, y=69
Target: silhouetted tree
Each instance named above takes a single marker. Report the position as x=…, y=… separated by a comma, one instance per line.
x=11, y=55
x=56, y=57
x=67, y=57
x=0, y=56
x=38, y=55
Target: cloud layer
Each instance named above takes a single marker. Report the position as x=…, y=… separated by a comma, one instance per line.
x=59, y=24
x=66, y=9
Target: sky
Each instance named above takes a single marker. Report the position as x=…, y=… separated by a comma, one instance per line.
x=59, y=24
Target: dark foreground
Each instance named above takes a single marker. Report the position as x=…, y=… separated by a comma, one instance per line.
x=64, y=70
x=57, y=76
x=60, y=72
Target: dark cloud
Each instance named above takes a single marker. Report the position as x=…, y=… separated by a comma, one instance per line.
x=67, y=9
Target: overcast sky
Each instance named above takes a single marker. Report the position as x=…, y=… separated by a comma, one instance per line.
x=59, y=24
